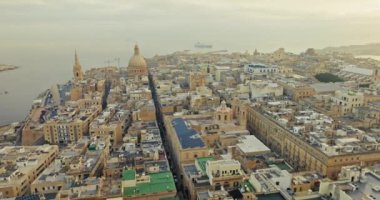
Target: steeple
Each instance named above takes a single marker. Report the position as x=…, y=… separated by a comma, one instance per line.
x=77, y=68
x=76, y=58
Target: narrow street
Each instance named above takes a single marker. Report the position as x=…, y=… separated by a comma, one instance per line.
x=161, y=126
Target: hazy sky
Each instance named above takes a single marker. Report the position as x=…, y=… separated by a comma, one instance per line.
x=41, y=35
x=103, y=29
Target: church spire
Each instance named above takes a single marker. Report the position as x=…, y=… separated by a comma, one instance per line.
x=76, y=58
x=77, y=68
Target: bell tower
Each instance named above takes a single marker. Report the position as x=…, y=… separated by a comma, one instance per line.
x=77, y=69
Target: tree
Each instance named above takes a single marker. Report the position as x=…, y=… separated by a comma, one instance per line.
x=328, y=77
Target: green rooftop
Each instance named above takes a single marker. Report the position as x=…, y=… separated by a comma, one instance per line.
x=249, y=186
x=159, y=182
x=283, y=166
x=129, y=175
x=202, y=163
x=92, y=147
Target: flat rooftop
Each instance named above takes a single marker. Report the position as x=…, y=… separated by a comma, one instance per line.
x=129, y=175
x=315, y=128
x=366, y=188
x=188, y=137
x=202, y=163
x=159, y=182
x=250, y=144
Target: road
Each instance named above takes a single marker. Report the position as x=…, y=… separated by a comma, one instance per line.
x=161, y=126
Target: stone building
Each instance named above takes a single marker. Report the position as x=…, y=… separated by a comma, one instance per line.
x=20, y=166
x=324, y=149
x=185, y=142
x=196, y=79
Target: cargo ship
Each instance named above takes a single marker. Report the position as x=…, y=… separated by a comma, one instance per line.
x=202, y=46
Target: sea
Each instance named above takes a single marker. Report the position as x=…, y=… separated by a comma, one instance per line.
x=19, y=87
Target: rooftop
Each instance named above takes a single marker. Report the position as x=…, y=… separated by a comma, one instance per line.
x=159, y=182
x=366, y=187
x=250, y=144
x=316, y=128
x=202, y=163
x=129, y=174
x=188, y=137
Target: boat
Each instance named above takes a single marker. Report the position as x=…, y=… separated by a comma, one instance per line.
x=202, y=46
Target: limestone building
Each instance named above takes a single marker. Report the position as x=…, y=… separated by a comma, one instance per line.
x=261, y=89
x=20, y=166
x=185, y=142
x=196, y=79
x=309, y=140
x=153, y=186
x=69, y=125
x=348, y=100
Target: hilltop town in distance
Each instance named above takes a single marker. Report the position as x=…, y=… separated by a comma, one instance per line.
x=202, y=126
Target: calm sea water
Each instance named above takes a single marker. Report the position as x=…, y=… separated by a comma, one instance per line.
x=38, y=71
x=23, y=85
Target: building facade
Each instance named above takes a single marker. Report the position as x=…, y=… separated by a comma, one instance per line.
x=299, y=153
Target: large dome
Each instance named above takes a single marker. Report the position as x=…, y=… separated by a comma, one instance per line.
x=137, y=60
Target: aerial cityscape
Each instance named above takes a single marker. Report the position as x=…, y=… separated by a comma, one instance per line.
x=201, y=122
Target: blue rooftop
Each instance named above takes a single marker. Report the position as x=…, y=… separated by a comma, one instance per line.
x=274, y=196
x=188, y=137
x=29, y=197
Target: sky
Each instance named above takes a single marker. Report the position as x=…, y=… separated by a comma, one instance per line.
x=50, y=30
x=41, y=36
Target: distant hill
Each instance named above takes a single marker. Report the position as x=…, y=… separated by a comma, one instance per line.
x=357, y=50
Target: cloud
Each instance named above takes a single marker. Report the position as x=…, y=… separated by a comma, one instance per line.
x=166, y=25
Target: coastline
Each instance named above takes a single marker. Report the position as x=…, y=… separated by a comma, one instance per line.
x=4, y=67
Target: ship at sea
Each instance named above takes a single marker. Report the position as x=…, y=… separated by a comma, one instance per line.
x=202, y=46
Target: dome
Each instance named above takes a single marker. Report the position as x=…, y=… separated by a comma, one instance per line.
x=137, y=60
x=223, y=107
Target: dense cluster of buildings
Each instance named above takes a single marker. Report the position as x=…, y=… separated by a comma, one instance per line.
x=202, y=126
x=261, y=126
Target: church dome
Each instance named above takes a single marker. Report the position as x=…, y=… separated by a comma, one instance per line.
x=137, y=60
